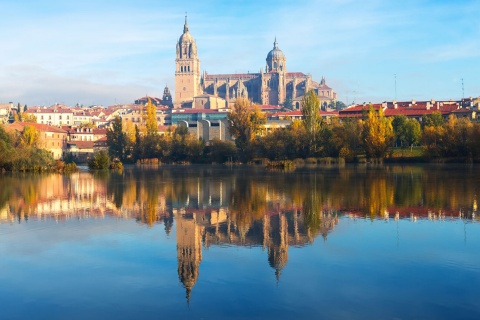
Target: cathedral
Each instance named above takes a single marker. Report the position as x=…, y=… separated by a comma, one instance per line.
x=273, y=86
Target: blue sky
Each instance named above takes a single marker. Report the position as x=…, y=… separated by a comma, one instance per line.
x=106, y=52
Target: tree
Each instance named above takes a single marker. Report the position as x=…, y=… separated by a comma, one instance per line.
x=30, y=136
x=185, y=146
x=337, y=105
x=245, y=122
x=138, y=145
x=456, y=141
x=222, y=151
x=398, y=124
x=100, y=161
x=7, y=152
x=288, y=104
x=434, y=119
x=151, y=121
x=25, y=117
x=312, y=121
x=117, y=140
x=377, y=134
x=432, y=141
x=89, y=125
x=413, y=132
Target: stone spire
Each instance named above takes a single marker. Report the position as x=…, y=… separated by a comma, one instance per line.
x=185, y=26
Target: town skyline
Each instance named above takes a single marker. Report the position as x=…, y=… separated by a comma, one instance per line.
x=116, y=52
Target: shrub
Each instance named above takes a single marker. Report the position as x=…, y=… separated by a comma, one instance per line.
x=100, y=160
x=116, y=165
x=70, y=167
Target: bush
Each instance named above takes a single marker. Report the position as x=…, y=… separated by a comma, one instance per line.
x=116, y=165
x=100, y=160
x=70, y=167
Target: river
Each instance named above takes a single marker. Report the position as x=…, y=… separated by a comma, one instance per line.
x=216, y=242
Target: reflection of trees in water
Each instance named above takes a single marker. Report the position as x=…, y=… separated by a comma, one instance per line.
x=248, y=203
x=248, y=193
x=242, y=206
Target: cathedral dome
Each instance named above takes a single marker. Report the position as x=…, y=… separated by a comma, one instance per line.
x=276, y=60
x=275, y=53
x=186, y=37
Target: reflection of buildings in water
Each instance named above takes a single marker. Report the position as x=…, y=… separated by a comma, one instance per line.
x=275, y=232
x=189, y=249
x=58, y=197
x=202, y=208
x=416, y=213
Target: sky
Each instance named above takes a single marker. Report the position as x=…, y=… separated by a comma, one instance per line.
x=115, y=51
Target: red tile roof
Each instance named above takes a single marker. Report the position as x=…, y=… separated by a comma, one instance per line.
x=19, y=126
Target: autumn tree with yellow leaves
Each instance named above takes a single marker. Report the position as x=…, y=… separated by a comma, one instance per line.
x=245, y=122
x=377, y=134
x=151, y=118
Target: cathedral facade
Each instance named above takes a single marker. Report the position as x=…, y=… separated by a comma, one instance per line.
x=273, y=86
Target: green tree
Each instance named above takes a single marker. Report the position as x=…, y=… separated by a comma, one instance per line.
x=138, y=146
x=312, y=121
x=117, y=140
x=398, y=124
x=337, y=105
x=413, y=132
x=288, y=104
x=100, y=160
x=377, y=134
x=7, y=151
x=434, y=119
x=222, y=151
x=185, y=146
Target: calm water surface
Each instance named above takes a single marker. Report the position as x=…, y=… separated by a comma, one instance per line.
x=218, y=242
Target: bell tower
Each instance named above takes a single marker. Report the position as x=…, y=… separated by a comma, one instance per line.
x=187, y=68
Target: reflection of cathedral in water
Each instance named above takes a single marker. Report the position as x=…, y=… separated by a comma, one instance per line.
x=208, y=208
x=275, y=232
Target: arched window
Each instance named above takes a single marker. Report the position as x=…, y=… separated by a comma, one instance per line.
x=181, y=68
x=275, y=65
x=188, y=68
x=297, y=105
